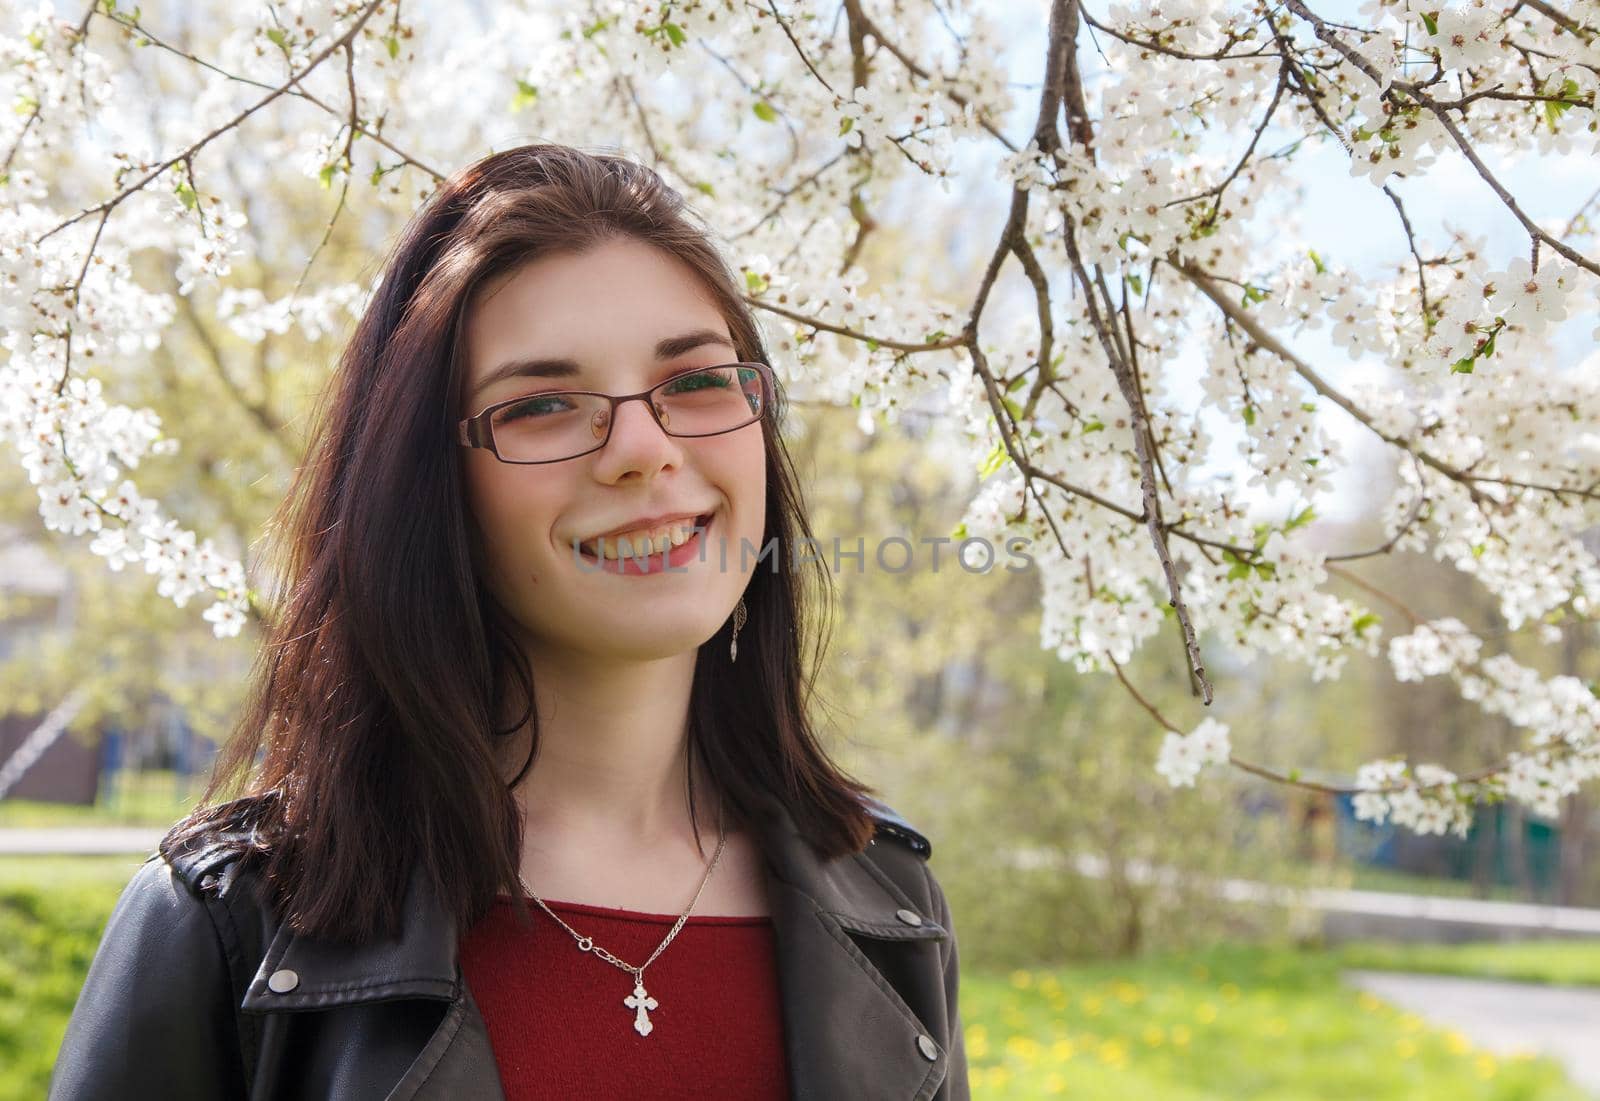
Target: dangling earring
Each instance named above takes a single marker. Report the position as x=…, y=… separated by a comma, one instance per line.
x=739, y=616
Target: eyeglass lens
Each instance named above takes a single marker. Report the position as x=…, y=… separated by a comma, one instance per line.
x=565, y=423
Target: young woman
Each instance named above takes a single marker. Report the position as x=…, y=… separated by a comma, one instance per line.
x=531, y=804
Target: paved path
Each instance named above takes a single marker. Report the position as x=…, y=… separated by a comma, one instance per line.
x=1562, y=1022
x=78, y=841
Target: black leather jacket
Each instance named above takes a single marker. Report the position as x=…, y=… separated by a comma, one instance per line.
x=197, y=992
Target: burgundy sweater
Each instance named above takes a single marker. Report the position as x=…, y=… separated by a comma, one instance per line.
x=560, y=1028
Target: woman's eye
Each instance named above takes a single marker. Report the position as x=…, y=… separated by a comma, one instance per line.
x=712, y=379
x=538, y=405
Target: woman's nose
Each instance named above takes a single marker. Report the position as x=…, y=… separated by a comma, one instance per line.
x=637, y=438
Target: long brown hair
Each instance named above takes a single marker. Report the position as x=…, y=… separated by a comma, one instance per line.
x=369, y=742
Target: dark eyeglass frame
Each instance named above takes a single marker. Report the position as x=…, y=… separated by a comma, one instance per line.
x=478, y=429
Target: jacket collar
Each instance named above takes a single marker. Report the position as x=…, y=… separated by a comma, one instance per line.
x=829, y=986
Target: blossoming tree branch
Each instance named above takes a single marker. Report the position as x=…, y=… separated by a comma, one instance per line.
x=1139, y=219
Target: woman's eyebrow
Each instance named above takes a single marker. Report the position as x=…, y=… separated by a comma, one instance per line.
x=560, y=367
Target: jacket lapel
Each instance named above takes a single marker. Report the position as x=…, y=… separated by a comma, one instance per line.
x=847, y=1031
x=420, y=963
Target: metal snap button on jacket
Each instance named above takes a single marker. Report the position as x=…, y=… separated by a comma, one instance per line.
x=910, y=917
x=929, y=1048
x=282, y=981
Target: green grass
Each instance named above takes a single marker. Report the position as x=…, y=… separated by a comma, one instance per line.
x=1270, y=1025
x=52, y=910
x=1236, y=1022
x=1548, y=961
x=156, y=798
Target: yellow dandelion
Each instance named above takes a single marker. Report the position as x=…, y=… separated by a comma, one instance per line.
x=1054, y=1083
x=1092, y=1004
x=1112, y=1053
x=1062, y=1050
x=1405, y=1048
x=1021, y=979
x=1485, y=1065
x=1410, y=1022
x=1369, y=1001
x=1127, y=993
x=1199, y=971
x=1457, y=1043
x=1180, y=1035
x=1059, y=1000
x=1229, y=992
x=1205, y=1013
x=977, y=1046
x=1025, y=1048
x=1275, y=1026
x=1154, y=1036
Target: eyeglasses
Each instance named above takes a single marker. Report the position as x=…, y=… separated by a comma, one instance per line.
x=556, y=425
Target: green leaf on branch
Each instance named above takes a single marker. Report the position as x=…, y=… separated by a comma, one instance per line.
x=1555, y=108
x=526, y=94
x=1092, y=426
x=1249, y=413
x=1431, y=21
x=1316, y=262
x=1136, y=282
x=764, y=111
x=1365, y=620
x=845, y=125
x=992, y=462
x=393, y=45
x=186, y=195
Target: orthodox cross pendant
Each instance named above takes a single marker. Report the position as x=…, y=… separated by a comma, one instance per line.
x=642, y=1003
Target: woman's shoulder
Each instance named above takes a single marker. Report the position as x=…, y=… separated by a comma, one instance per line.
x=890, y=823
x=902, y=852
x=214, y=847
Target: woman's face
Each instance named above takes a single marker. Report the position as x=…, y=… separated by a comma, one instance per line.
x=606, y=311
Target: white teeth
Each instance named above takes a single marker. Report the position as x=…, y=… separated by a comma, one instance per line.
x=638, y=544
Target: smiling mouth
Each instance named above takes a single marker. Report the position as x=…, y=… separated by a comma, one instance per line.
x=696, y=528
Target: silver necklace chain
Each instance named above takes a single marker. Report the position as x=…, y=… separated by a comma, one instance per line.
x=639, y=1001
